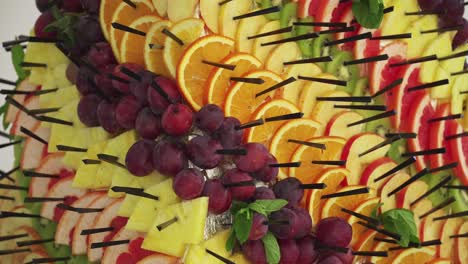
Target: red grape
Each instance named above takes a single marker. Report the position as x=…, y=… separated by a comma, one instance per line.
x=127, y=111
x=259, y=227
x=84, y=82
x=188, y=184
x=305, y=221
x=42, y=5
x=177, y=120
x=87, y=110
x=101, y=55
x=219, y=197
x=267, y=173
x=201, y=150
x=169, y=157
x=147, y=124
x=139, y=158
x=91, y=6
x=344, y=258
x=307, y=252
x=72, y=73
x=157, y=102
x=254, y=251
x=209, y=118
x=41, y=23
x=330, y=259
x=228, y=135
x=430, y=5
x=462, y=35
x=107, y=119
x=285, y=223
x=140, y=88
x=242, y=193
x=89, y=30
x=256, y=158
x=289, y=251
x=264, y=193
x=334, y=232
x=290, y=190
x=104, y=84
x=121, y=86
x=72, y=6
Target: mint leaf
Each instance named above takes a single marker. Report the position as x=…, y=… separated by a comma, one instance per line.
x=231, y=241
x=242, y=225
x=237, y=206
x=265, y=207
x=272, y=250
x=401, y=222
x=368, y=13
x=17, y=57
x=64, y=26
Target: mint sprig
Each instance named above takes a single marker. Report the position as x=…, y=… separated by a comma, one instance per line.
x=368, y=13
x=242, y=224
x=65, y=28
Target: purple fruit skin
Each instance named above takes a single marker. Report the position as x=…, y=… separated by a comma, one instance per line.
x=188, y=184
x=157, y=103
x=254, y=251
x=201, y=151
x=259, y=227
x=139, y=158
x=107, y=119
x=169, y=158
x=263, y=193
x=209, y=118
x=256, y=158
x=228, y=135
x=307, y=252
x=267, y=173
x=87, y=110
x=220, y=198
x=334, y=231
x=289, y=251
x=127, y=111
x=147, y=124
x=242, y=193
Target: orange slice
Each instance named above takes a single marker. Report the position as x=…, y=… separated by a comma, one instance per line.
x=133, y=45
x=439, y=261
x=241, y=100
x=384, y=246
x=414, y=255
x=106, y=11
x=285, y=52
x=332, y=177
x=192, y=73
x=332, y=206
x=462, y=244
x=187, y=30
x=125, y=14
x=299, y=129
x=219, y=81
x=264, y=133
x=154, y=55
x=309, y=172
x=364, y=208
x=448, y=247
x=365, y=243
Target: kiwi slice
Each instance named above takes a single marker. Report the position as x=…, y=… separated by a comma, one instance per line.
x=396, y=149
x=306, y=46
x=461, y=199
x=346, y=73
x=269, y=3
x=288, y=15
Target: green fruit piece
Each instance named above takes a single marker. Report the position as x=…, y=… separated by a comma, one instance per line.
x=319, y=50
x=433, y=179
x=288, y=15
x=396, y=149
x=46, y=230
x=380, y=126
x=306, y=46
x=461, y=200
x=361, y=87
x=346, y=73
x=267, y=4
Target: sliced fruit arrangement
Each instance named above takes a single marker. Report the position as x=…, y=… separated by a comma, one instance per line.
x=187, y=131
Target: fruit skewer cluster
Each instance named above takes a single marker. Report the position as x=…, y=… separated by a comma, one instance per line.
x=139, y=97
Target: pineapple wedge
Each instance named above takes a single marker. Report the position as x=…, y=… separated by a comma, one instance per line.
x=441, y=46
x=146, y=210
x=396, y=22
x=457, y=100
x=418, y=41
x=123, y=177
x=197, y=253
x=187, y=229
x=84, y=177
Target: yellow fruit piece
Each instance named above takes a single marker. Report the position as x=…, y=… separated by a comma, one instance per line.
x=455, y=64
x=263, y=134
x=248, y=27
x=219, y=80
x=418, y=41
x=280, y=147
x=197, y=253
x=332, y=206
x=364, y=208
x=161, y=7
x=282, y=53
x=146, y=210
x=125, y=15
x=309, y=172
x=293, y=91
x=106, y=11
x=188, y=228
x=325, y=110
x=397, y=21
x=262, y=52
x=84, y=176
x=392, y=184
x=365, y=243
x=133, y=45
x=192, y=73
x=441, y=46
x=312, y=90
x=209, y=10
x=414, y=255
x=457, y=99
x=332, y=177
x=60, y=98
x=339, y=125
x=226, y=23
x=178, y=10
x=187, y=31
x=242, y=100
x=442, y=91
x=46, y=53
x=154, y=60
x=122, y=177
x=384, y=246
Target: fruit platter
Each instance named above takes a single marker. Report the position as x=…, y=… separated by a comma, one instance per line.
x=237, y=132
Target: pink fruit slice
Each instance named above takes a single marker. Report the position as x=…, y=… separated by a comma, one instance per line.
x=20, y=98
x=436, y=135
x=111, y=254
x=34, y=150
x=457, y=148
x=25, y=120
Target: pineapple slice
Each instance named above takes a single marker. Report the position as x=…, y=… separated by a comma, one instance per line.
x=442, y=91
x=456, y=64
x=84, y=177
x=123, y=177
x=46, y=53
x=83, y=138
x=459, y=85
x=188, y=229
x=197, y=253
x=441, y=46
x=146, y=210
x=117, y=146
x=59, y=98
x=417, y=39
x=396, y=22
